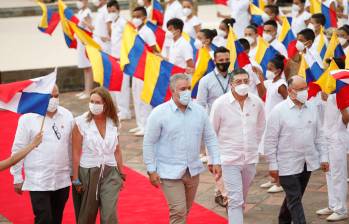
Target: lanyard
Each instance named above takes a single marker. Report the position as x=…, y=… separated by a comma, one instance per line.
x=220, y=83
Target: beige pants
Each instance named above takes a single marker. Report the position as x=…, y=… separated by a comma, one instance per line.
x=180, y=195
x=86, y=204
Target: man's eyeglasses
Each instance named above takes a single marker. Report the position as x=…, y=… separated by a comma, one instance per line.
x=55, y=129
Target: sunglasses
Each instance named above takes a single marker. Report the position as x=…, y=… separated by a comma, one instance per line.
x=55, y=129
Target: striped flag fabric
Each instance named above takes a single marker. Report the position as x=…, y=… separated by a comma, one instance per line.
x=342, y=88
x=29, y=96
x=49, y=19
x=157, y=13
x=238, y=56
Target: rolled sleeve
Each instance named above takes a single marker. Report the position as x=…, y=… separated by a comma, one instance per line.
x=271, y=139
x=151, y=136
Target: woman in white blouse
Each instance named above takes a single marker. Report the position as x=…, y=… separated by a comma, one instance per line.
x=192, y=24
x=97, y=160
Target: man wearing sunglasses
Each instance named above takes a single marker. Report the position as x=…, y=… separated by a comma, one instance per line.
x=48, y=167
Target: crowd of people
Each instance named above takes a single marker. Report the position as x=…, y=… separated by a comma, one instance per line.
x=239, y=115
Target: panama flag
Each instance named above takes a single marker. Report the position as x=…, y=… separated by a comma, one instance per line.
x=29, y=96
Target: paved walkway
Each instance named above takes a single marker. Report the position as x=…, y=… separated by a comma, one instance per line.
x=262, y=208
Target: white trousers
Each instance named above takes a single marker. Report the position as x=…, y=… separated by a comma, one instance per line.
x=237, y=181
x=142, y=110
x=122, y=98
x=337, y=178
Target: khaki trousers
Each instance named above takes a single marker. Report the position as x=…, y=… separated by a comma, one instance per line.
x=87, y=203
x=180, y=195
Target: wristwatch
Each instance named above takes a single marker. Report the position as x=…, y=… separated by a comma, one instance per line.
x=76, y=182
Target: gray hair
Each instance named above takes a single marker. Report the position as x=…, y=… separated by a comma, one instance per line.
x=238, y=71
x=176, y=77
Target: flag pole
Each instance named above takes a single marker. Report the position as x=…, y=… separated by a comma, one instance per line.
x=42, y=123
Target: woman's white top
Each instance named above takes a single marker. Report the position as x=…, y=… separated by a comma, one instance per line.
x=273, y=97
x=97, y=151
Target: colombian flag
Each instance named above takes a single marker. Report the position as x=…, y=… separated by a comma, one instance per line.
x=83, y=36
x=49, y=19
x=257, y=15
x=133, y=53
x=334, y=48
x=326, y=81
x=259, y=3
x=67, y=30
x=157, y=13
x=160, y=34
x=204, y=65
x=157, y=79
x=238, y=56
x=264, y=54
x=322, y=48
x=106, y=69
x=317, y=6
x=286, y=35
x=342, y=88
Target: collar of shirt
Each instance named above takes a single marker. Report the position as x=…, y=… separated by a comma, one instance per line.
x=232, y=98
x=175, y=43
x=174, y=107
x=217, y=72
x=292, y=105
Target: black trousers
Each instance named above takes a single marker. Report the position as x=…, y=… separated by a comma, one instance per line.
x=294, y=187
x=48, y=206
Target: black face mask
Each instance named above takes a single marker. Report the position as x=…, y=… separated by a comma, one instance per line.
x=223, y=67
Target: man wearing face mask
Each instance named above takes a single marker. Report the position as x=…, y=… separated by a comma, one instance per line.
x=317, y=22
x=294, y=146
x=117, y=24
x=142, y=110
x=147, y=5
x=270, y=33
x=100, y=32
x=171, y=148
x=47, y=168
x=238, y=120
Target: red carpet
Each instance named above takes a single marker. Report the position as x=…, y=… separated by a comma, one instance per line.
x=139, y=202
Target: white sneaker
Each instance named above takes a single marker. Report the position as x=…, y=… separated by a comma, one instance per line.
x=324, y=211
x=336, y=217
x=267, y=185
x=139, y=133
x=134, y=130
x=275, y=189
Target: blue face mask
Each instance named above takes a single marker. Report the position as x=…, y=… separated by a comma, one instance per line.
x=185, y=97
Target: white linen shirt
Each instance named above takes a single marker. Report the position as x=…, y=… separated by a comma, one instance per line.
x=180, y=52
x=47, y=167
x=190, y=24
x=298, y=22
x=97, y=151
x=239, y=131
x=294, y=137
x=117, y=29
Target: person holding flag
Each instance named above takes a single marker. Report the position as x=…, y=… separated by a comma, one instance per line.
x=85, y=21
x=192, y=24
x=317, y=22
x=270, y=28
x=251, y=35
x=48, y=168
x=100, y=25
x=343, y=37
x=222, y=33
x=300, y=17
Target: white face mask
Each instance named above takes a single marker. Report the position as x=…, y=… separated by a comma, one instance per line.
x=79, y=5
x=300, y=46
x=302, y=96
x=221, y=33
x=53, y=104
x=96, y=109
x=270, y=75
x=267, y=37
x=342, y=40
x=140, y=2
x=250, y=40
x=242, y=89
x=187, y=12
x=311, y=26
x=185, y=97
x=169, y=35
x=112, y=16
x=295, y=8
x=198, y=44
x=137, y=22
